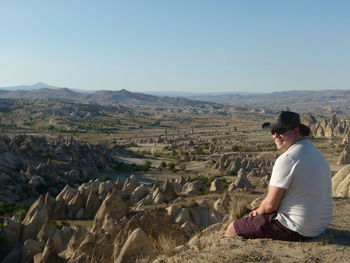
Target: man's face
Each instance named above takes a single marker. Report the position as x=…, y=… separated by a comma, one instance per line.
x=285, y=138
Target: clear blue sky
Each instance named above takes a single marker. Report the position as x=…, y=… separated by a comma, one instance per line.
x=179, y=45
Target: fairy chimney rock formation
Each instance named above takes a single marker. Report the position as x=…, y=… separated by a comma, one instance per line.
x=344, y=158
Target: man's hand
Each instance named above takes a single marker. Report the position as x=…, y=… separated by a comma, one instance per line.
x=254, y=211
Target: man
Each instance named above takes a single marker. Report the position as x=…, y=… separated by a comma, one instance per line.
x=298, y=204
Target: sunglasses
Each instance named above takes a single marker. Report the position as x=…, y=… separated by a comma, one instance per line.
x=280, y=131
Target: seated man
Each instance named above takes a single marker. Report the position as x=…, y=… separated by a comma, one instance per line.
x=298, y=204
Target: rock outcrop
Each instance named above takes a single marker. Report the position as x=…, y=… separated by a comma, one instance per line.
x=341, y=182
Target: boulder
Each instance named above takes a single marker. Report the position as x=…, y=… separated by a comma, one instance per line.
x=140, y=192
x=138, y=245
x=216, y=186
x=66, y=194
x=341, y=182
x=75, y=204
x=130, y=184
x=241, y=183
x=182, y=216
x=49, y=255
x=189, y=227
x=193, y=188
x=11, y=231
x=30, y=248
x=345, y=156
x=75, y=241
x=34, y=220
x=158, y=199
x=168, y=191
x=104, y=189
x=92, y=205
x=118, y=184
x=112, y=209
x=46, y=230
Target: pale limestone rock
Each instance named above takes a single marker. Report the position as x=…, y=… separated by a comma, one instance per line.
x=92, y=205
x=216, y=186
x=158, y=199
x=223, y=204
x=189, y=226
x=74, y=243
x=344, y=158
x=12, y=231
x=145, y=201
x=66, y=194
x=49, y=255
x=137, y=245
x=130, y=184
x=182, y=216
x=346, y=138
x=34, y=220
x=118, y=184
x=192, y=188
x=46, y=230
x=75, y=204
x=241, y=183
x=173, y=211
x=140, y=192
x=341, y=183
x=112, y=209
x=168, y=191
x=30, y=248
x=104, y=189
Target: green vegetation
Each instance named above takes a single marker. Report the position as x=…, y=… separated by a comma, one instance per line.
x=132, y=167
x=12, y=209
x=254, y=148
x=147, y=165
x=171, y=167
x=207, y=182
x=105, y=178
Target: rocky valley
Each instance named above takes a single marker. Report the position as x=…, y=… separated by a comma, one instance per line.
x=86, y=181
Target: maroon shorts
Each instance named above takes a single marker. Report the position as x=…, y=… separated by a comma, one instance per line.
x=265, y=226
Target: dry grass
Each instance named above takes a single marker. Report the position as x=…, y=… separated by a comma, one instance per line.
x=166, y=244
x=238, y=208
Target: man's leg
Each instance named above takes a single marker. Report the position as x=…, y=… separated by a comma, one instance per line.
x=230, y=231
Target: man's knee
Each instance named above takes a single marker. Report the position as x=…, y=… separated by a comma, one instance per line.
x=230, y=231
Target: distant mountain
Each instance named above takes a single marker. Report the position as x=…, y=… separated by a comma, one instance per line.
x=200, y=94
x=38, y=85
x=104, y=97
x=62, y=93
x=295, y=99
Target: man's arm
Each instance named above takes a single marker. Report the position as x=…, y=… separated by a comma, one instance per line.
x=271, y=201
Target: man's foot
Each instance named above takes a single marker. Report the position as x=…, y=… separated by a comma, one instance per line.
x=230, y=231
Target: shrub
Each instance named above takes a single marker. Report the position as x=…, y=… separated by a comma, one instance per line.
x=182, y=167
x=163, y=164
x=171, y=166
x=105, y=178
x=12, y=209
x=147, y=165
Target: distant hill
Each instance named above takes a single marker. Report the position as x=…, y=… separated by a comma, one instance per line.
x=38, y=85
x=337, y=100
x=295, y=99
x=103, y=97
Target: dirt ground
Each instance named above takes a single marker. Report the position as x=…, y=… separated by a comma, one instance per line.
x=332, y=246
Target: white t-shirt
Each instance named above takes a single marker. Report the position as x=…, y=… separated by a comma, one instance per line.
x=306, y=206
